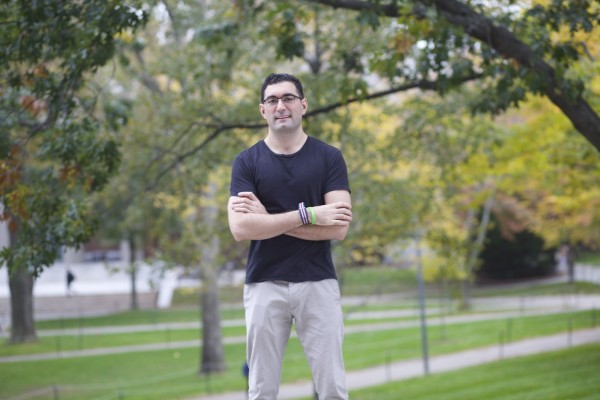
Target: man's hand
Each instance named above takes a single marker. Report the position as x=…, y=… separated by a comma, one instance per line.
x=247, y=202
x=339, y=213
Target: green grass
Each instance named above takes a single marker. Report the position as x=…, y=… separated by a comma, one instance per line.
x=373, y=348
x=590, y=258
x=172, y=373
x=353, y=282
x=560, y=375
x=376, y=280
x=530, y=325
x=540, y=290
x=190, y=296
x=164, y=374
x=140, y=317
x=147, y=375
x=370, y=281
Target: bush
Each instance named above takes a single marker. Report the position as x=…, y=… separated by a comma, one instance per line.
x=523, y=255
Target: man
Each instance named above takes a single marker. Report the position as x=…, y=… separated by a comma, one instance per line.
x=70, y=279
x=290, y=196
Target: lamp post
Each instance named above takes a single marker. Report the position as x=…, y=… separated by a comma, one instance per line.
x=421, y=294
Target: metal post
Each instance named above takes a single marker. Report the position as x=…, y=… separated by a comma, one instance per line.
x=424, y=344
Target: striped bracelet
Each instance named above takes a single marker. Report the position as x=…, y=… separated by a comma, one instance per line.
x=303, y=213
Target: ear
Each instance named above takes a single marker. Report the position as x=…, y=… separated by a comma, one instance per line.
x=262, y=110
x=304, y=106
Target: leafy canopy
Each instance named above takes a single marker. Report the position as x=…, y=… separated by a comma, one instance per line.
x=51, y=154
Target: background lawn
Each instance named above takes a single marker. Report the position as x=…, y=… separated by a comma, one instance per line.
x=562, y=375
x=172, y=373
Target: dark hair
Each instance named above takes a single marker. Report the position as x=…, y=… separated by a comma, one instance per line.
x=277, y=78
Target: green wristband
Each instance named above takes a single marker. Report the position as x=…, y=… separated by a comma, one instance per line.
x=313, y=214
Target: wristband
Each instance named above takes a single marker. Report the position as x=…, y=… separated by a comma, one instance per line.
x=303, y=213
x=313, y=214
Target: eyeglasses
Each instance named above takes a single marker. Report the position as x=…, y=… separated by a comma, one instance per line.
x=287, y=99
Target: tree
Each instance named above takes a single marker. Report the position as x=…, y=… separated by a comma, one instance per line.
x=51, y=155
x=515, y=49
x=193, y=86
x=453, y=154
x=167, y=85
x=199, y=69
x=194, y=229
x=522, y=254
x=542, y=175
x=555, y=181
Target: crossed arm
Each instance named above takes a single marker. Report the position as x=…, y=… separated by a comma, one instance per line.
x=249, y=220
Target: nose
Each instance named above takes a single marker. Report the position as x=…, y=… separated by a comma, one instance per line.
x=280, y=104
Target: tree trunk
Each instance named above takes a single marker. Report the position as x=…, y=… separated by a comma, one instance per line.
x=477, y=246
x=21, y=301
x=133, y=272
x=213, y=358
x=571, y=257
x=20, y=282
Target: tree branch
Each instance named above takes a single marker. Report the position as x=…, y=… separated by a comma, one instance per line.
x=499, y=38
x=424, y=85
x=219, y=129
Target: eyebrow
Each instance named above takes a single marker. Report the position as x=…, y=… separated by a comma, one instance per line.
x=285, y=94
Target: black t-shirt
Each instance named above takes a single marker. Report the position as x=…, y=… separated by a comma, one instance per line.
x=281, y=181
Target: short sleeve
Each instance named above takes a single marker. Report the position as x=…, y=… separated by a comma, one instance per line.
x=337, y=177
x=242, y=177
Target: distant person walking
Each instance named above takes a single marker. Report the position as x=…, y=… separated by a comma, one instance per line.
x=290, y=196
x=70, y=279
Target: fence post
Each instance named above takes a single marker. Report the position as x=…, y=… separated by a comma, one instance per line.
x=388, y=367
x=570, y=332
x=509, y=330
x=57, y=343
x=80, y=333
x=207, y=382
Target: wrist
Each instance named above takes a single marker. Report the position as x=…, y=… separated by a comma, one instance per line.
x=313, y=215
x=304, y=213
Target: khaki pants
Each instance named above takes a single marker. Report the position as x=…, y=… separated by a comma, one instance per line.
x=315, y=308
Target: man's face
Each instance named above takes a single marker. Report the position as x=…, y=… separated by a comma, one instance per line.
x=283, y=117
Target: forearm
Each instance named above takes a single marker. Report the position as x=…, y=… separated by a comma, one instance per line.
x=251, y=226
x=319, y=232
x=249, y=220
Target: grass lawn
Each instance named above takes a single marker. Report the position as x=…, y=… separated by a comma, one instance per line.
x=561, y=375
x=590, y=258
x=140, y=317
x=539, y=290
x=163, y=374
x=171, y=373
x=353, y=282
